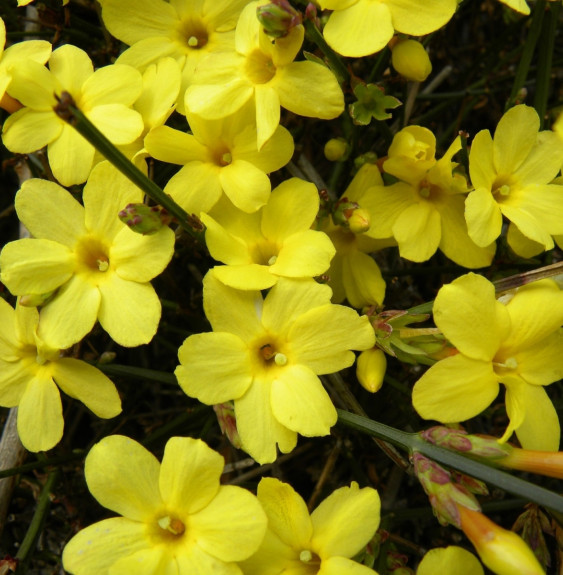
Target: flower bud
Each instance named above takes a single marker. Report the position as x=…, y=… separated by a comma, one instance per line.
x=411, y=60
x=278, y=18
x=337, y=150
x=502, y=551
x=477, y=445
x=35, y=299
x=350, y=215
x=225, y=413
x=144, y=219
x=370, y=369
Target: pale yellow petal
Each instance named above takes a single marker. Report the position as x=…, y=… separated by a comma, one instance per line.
x=27, y=131
x=40, y=415
x=345, y=521
x=245, y=185
x=273, y=155
x=70, y=157
x=343, y=566
x=149, y=51
x=214, y=367
x=418, y=232
x=89, y=385
x=322, y=337
x=455, y=389
x=258, y=429
x=50, y=212
x=169, y=145
x=412, y=17
x=114, y=84
x=71, y=66
x=267, y=112
x=94, y=549
x=141, y=258
x=199, y=562
x=120, y=124
x=449, y=560
x=532, y=228
x=232, y=526
x=287, y=513
x=544, y=161
x=189, y=474
x=520, y=244
x=483, y=217
x=542, y=363
x=33, y=85
x=36, y=50
x=359, y=30
x=123, y=476
x=67, y=318
x=362, y=280
x=470, y=317
x=224, y=246
x=196, y=187
x=300, y=402
x=15, y=377
x=481, y=168
x=391, y=202
x=35, y=266
x=129, y=311
x=246, y=277
x=146, y=562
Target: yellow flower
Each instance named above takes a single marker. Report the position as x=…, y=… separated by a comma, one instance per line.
x=176, y=516
x=104, y=96
x=30, y=371
x=370, y=369
x=263, y=70
x=220, y=157
x=354, y=274
x=323, y=542
x=424, y=211
x=361, y=27
x=182, y=29
x=36, y=50
x=517, y=5
x=450, y=560
x=516, y=341
x=99, y=267
x=266, y=354
x=511, y=175
x=276, y=241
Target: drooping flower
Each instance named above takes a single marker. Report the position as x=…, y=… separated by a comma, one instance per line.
x=104, y=96
x=353, y=274
x=274, y=242
x=321, y=543
x=361, y=27
x=30, y=371
x=263, y=70
x=220, y=156
x=176, y=516
x=99, y=267
x=182, y=29
x=36, y=50
x=266, y=354
x=516, y=340
x=424, y=210
x=511, y=174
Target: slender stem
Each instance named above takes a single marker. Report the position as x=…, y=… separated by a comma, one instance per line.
x=138, y=373
x=335, y=63
x=413, y=442
x=528, y=52
x=39, y=517
x=71, y=114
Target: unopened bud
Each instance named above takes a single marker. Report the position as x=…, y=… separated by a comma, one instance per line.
x=350, y=215
x=35, y=299
x=278, y=18
x=337, y=150
x=225, y=413
x=370, y=369
x=144, y=219
x=502, y=551
x=476, y=445
x=411, y=60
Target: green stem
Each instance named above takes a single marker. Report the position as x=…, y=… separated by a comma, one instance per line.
x=527, y=53
x=137, y=373
x=41, y=463
x=545, y=60
x=71, y=114
x=413, y=442
x=39, y=517
x=334, y=61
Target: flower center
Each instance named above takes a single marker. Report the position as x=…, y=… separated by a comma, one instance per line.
x=221, y=156
x=259, y=67
x=192, y=33
x=268, y=353
x=506, y=365
x=428, y=191
x=311, y=559
x=171, y=525
x=502, y=188
x=264, y=252
x=92, y=255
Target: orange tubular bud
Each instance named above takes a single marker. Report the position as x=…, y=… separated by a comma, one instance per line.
x=502, y=551
x=548, y=463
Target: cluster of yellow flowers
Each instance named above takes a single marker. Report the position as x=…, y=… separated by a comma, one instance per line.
x=288, y=258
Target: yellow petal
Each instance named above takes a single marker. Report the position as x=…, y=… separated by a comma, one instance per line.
x=267, y=113
x=481, y=167
x=455, y=389
x=418, y=231
x=344, y=566
x=33, y=266
x=483, y=217
x=70, y=157
x=71, y=66
x=363, y=283
x=173, y=146
x=287, y=513
x=542, y=363
x=114, y=84
x=411, y=17
x=117, y=122
x=449, y=560
x=246, y=277
x=129, y=311
x=40, y=414
x=95, y=549
x=259, y=430
x=189, y=474
x=300, y=402
x=123, y=476
x=224, y=246
x=346, y=521
x=27, y=131
x=471, y=318
x=232, y=526
x=50, y=212
x=521, y=245
x=33, y=85
x=215, y=367
x=89, y=385
x=146, y=562
x=196, y=187
x=245, y=185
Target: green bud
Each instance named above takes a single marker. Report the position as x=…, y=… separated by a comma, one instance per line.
x=278, y=18
x=143, y=219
